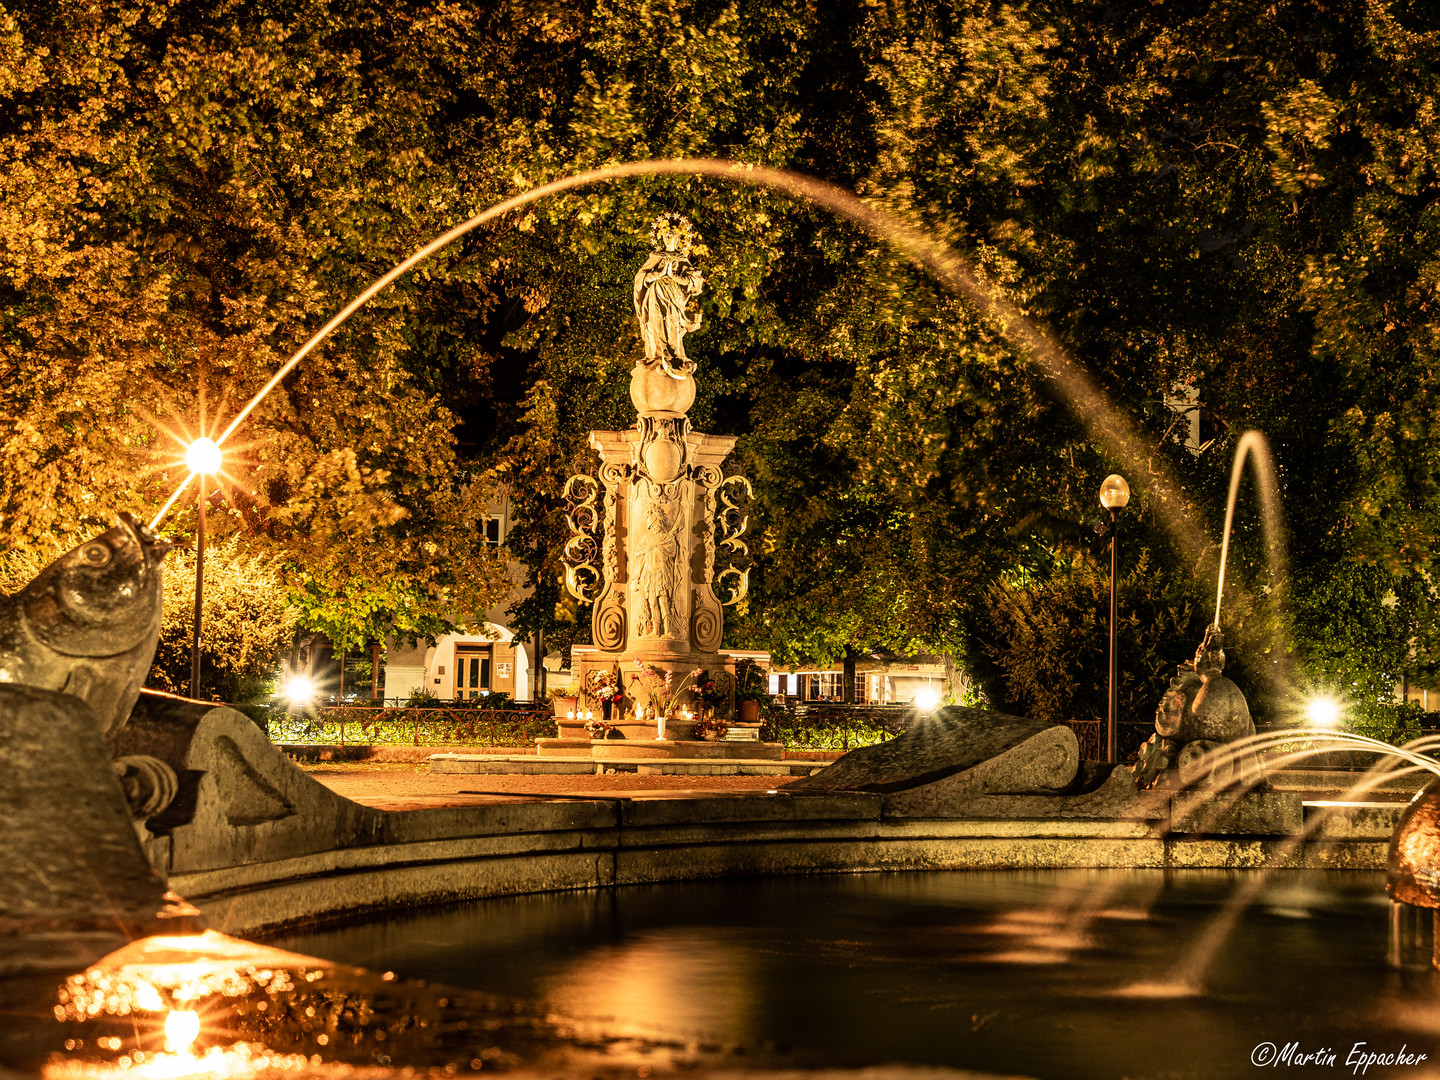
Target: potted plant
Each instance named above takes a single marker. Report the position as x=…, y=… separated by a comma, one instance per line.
x=564, y=700
x=747, y=705
x=750, y=691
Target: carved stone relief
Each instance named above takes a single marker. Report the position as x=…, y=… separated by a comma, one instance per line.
x=657, y=559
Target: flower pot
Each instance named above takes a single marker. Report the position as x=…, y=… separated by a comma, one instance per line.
x=564, y=706
x=747, y=712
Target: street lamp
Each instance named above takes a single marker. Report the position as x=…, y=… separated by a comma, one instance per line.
x=202, y=457
x=1114, y=495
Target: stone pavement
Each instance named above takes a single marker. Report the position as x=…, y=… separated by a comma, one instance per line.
x=396, y=785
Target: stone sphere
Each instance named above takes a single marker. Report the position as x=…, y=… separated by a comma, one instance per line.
x=653, y=391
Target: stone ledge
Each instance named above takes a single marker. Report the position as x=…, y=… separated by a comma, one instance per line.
x=662, y=839
x=269, y=846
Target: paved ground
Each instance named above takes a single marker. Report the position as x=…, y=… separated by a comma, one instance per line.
x=399, y=785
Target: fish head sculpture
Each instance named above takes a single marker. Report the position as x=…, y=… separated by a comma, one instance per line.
x=88, y=624
x=101, y=598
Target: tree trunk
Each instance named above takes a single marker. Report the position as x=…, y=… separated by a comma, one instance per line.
x=848, y=667
x=955, y=681
x=374, y=670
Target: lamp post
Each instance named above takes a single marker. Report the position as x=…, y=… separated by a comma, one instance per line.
x=1114, y=495
x=203, y=460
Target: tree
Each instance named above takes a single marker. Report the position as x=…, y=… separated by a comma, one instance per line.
x=246, y=624
x=192, y=190
x=1233, y=195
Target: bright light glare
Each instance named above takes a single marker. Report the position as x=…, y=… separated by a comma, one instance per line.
x=927, y=698
x=299, y=690
x=180, y=1030
x=1322, y=711
x=203, y=456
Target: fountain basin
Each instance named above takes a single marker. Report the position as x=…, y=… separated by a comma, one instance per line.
x=426, y=853
x=1056, y=974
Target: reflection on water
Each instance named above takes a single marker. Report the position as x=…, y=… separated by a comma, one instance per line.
x=1048, y=974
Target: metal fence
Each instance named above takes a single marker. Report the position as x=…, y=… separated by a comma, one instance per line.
x=1130, y=735
x=418, y=726
x=835, y=727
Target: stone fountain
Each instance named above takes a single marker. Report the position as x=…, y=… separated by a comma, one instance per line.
x=643, y=541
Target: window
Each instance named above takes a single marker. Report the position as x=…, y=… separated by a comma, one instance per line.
x=826, y=686
x=492, y=528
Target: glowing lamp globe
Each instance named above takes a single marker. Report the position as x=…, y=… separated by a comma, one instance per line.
x=927, y=698
x=1114, y=492
x=300, y=691
x=203, y=456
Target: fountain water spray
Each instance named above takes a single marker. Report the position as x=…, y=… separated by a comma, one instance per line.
x=1104, y=423
x=1254, y=447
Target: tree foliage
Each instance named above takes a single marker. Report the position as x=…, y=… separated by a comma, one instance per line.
x=246, y=624
x=190, y=191
x=1234, y=195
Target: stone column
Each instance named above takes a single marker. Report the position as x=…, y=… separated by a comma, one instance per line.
x=657, y=603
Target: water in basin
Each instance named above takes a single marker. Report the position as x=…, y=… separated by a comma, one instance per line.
x=992, y=971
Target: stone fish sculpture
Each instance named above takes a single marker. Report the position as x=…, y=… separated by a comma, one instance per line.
x=89, y=622
x=1200, y=713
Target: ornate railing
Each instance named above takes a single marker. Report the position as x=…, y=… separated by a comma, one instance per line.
x=835, y=727
x=1130, y=735
x=419, y=726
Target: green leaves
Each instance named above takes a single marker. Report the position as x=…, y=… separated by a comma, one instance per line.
x=1235, y=196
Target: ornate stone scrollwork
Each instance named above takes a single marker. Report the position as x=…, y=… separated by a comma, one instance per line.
x=583, y=575
x=733, y=520
x=608, y=625
x=706, y=622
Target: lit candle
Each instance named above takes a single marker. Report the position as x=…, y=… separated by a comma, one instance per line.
x=180, y=1030
x=570, y=715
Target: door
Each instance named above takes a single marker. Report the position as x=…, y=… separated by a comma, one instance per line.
x=472, y=671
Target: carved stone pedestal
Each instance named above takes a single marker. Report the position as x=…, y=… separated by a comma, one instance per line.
x=644, y=542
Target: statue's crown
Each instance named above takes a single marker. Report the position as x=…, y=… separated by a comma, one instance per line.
x=672, y=232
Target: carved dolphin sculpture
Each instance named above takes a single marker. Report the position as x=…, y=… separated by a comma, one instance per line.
x=89, y=622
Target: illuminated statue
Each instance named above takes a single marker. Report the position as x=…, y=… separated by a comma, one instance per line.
x=664, y=289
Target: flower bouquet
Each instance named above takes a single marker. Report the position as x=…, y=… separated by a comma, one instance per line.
x=662, y=688
x=711, y=694
x=604, y=687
